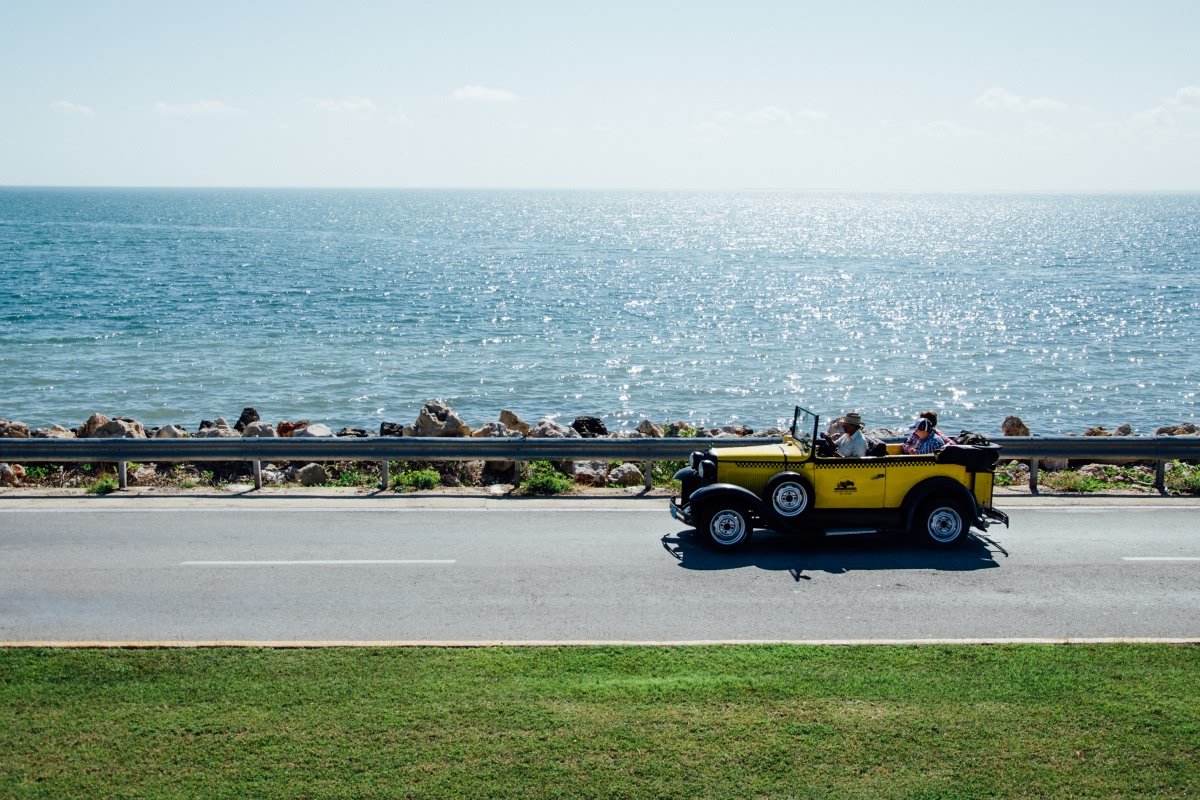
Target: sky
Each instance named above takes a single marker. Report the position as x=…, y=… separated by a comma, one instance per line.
x=1014, y=96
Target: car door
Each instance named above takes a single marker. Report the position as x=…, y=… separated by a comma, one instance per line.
x=850, y=483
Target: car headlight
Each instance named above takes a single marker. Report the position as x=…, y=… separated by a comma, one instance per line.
x=696, y=459
x=708, y=471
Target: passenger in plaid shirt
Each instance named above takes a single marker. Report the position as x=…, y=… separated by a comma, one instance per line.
x=925, y=439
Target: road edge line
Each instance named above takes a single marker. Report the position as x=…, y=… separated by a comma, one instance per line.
x=352, y=643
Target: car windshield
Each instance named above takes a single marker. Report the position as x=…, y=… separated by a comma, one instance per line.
x=804, y=428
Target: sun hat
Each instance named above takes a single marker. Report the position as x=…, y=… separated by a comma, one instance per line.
x=853, y=418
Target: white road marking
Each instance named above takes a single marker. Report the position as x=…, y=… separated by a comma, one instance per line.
x=1160, y=558
x=316, y=562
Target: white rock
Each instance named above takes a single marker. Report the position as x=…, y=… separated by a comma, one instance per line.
x=93, y=422
x=8, y=475
x=491, y=430
x=514, y=423
x=54, y=432
x=453, y=426
x=547, y=428
x=312, y=475
x=262, y=430
x=648, y=428
x=220, y=430
x=13, y=430
x=313, y=431
x=591, y=473
x=119, y=429
x=170, y=432
x=626, y=475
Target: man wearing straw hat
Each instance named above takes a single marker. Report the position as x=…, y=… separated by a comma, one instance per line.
x=851, y=443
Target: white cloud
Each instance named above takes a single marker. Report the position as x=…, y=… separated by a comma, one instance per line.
x=197, y=108
x=947, y=129
x=483, y=94
x=1185, y=100
x=67, y=107
x=772, y=115
x=1188, y=97
x=353, y=104
x=998, y=99
x=729, y=123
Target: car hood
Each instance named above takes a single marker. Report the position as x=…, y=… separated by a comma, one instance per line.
x=761, y=452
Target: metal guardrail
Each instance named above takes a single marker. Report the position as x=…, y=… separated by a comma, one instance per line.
x=378, y=448
x=1159, y=449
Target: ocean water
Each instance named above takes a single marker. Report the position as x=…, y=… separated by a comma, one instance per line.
x=354, y=307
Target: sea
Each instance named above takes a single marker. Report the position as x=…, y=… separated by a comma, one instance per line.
x=353, y=307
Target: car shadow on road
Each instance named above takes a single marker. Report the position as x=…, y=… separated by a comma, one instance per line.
x=835, y=556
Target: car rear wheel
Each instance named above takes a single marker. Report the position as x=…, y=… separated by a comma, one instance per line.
x=726, y=528
x=942, y=522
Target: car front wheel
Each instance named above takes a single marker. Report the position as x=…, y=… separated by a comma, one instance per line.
x=941, y=522
x=726, y=528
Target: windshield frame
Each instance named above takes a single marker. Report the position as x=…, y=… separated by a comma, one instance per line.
x=804, y=439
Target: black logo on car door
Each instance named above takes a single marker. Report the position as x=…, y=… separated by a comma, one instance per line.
x=845, y=487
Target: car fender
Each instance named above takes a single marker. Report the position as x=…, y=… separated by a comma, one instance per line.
x=728, y=492
x=935, y=486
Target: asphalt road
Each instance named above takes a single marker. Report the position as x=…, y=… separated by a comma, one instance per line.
x=541, y=573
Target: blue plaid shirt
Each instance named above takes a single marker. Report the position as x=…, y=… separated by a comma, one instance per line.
x=916, y=446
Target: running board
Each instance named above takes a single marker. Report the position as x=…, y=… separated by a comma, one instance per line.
x=850, y=531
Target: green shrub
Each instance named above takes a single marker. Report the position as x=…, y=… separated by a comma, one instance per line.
x=36, y=473
x=415, y=479
x=1183, y=478
x=664, y=474
x=350, y=477
x=545, y=479
x=1070, y=481
x=103, y=485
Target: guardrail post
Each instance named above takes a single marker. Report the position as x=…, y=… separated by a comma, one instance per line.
x=257, y=474
x=122, y=475
x=1033, y=471
x=516, y=474
x=385, y=478
x=649, y=475
x=1160, y=476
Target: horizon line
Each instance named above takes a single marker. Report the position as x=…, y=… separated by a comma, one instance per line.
x=764, y=189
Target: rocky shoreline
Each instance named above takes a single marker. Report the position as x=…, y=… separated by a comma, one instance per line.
x=437, y=419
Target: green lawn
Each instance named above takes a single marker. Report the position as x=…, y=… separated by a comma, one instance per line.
x=748, y=721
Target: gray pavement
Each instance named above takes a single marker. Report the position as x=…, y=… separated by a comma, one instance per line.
x=574, y=571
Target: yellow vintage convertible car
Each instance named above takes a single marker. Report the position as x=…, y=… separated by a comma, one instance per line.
x=792, y=487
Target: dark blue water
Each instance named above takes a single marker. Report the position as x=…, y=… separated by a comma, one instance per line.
x=353, y=307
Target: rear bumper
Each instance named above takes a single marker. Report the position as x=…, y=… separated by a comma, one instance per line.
x=681, y=511
x=992, y=514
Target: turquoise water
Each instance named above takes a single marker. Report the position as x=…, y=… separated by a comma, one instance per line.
x=353, y=307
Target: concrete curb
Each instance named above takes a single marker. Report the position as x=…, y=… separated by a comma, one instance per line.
x=387, y=501
x=293, y=644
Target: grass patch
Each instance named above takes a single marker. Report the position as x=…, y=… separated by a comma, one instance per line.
x=1070, y=481
x=680, y=722
x=1183, y=478
x=103, y=485
x=545, y=479
x=417, y=479
x=663, y=474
